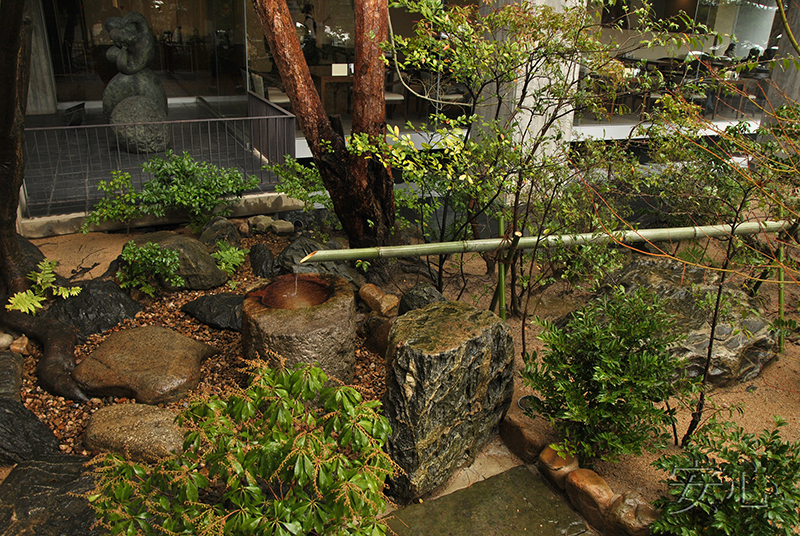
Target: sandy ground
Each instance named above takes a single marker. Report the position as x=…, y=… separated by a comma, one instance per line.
x=775, y=392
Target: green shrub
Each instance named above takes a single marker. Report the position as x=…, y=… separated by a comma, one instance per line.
x=199, y=189
x=301, y=182
x=229, y=258
x=604, y=378
x=726, y=481
x=122, y=206
x=286, y=456
x=42, y=282
x=143, y=266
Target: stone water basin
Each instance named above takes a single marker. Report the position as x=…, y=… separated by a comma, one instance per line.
x=302, y=318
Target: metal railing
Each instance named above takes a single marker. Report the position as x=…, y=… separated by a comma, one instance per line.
x=64, y=164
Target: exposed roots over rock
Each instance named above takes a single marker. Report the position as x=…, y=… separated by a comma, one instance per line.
x=58, y=351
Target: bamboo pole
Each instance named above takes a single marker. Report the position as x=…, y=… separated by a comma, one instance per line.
x=490, y=244
x=505, y=265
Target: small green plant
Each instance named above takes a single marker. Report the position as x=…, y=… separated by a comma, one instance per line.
x=229, y=258
x=604, y=378
x=42, y=282
x=726, y=481
x=121, y=202
x=362, y=265
x=143, y=266
x=305, y=183
x=286, y=456
x=198, y=188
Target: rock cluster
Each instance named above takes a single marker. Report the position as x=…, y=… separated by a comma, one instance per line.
x=743, y=341
x=610, y=513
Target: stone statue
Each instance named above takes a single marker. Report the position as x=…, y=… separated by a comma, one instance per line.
x=135, y=94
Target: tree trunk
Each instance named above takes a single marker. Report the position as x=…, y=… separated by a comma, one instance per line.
x=58, y=341
x=14, y=72
x=360, y=188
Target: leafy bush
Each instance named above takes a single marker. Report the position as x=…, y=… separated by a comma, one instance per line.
x=286, y=456
x=200, y=189
x=179, y=182
x=229, y=258
x=301, y=182
x=123, y=206
x=727, y=481
x=582, y=264
x=143, y=266
x=31, y=300
x=603, y=379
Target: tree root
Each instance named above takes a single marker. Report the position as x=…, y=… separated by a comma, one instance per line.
x=58, y=341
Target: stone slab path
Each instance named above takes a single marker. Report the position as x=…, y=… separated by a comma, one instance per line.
x=513, y=503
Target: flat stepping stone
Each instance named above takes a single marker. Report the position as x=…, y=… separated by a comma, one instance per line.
x=511, y=503
x=152, y=364
x=136, y=431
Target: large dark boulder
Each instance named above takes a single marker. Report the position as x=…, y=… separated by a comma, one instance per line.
x=220, y=311
x=743, y=341
x=47, y=497
x=262, y=261
x=152, y=364
x=197, y=267
x=418, y=297
x=219, y=229
x=100, y=306
x=288, y=262
x=22, y=435
x=450, y=380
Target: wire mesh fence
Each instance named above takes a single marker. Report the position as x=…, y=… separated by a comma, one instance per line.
x=64, y=164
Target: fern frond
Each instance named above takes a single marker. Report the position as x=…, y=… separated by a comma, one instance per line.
x=27, y=302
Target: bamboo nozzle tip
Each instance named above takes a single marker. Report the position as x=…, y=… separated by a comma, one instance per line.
x=304, y=259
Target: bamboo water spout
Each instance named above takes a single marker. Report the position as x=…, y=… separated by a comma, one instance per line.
x=491, y=244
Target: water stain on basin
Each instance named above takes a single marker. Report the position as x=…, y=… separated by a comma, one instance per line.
x=294, y=291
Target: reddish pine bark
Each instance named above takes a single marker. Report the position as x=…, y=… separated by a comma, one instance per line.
x=360, y=188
